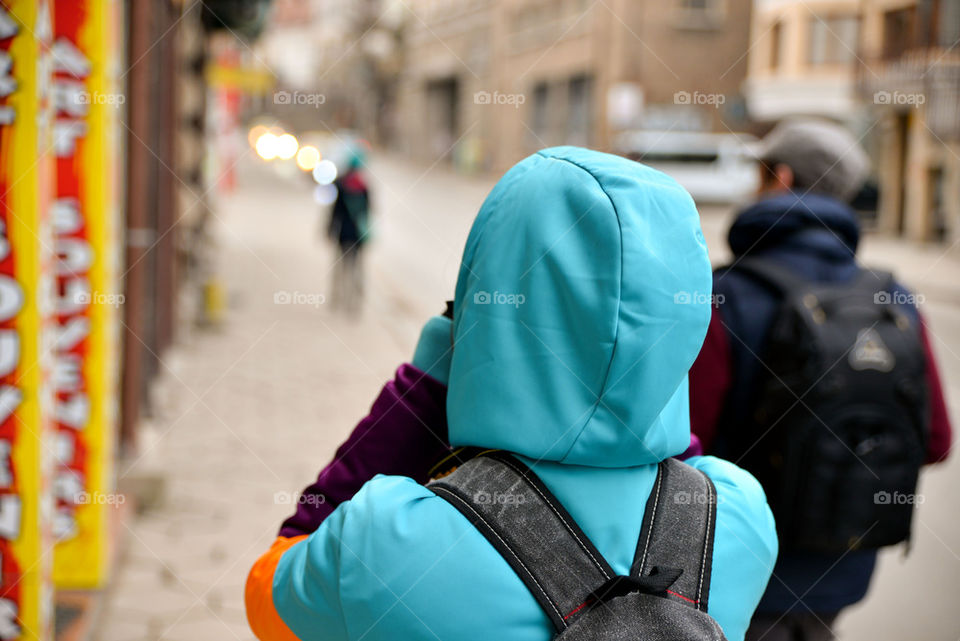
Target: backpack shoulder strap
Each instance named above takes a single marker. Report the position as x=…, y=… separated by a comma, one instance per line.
x=526, y=524
x=770, y=273
x=877, y=280
x=678, y=531
x=785, y=281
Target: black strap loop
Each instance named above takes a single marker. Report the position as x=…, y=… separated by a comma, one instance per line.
x=656, y=583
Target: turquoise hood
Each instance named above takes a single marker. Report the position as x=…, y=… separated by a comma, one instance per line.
x=581, y=302
x=580, y=305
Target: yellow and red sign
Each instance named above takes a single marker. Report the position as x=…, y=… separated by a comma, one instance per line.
x=25, y=306
x=86, y=107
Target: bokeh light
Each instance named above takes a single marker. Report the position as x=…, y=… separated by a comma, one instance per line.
x=325, y=172
x=308, y=157
x=254, y=134
x=287, y=146
x=266, y=146
x=325, y=194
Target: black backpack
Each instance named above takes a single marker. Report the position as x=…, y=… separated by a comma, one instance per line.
x=839, y=424
x=665, y=595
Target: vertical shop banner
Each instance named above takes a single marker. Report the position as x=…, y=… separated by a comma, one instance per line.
x=25, y=306
x=86, y=112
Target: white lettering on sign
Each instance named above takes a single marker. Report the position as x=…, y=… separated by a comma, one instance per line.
x=4, y=243
x=71, y=333
x=9, y=351
x=73, y=412
x=67, y=373
x=64, y=524
x=65, y=134
x=8, y=28
x=71, y=97
x=67, y=485
x=6, y=465
x=10, y=509
x=70, y=60
x=65, y=215
x=76, y=296
x=10, y=399
x=63, y=447
x=11, y=297
x=8, y=84
x=9, y=628
x=75, y=256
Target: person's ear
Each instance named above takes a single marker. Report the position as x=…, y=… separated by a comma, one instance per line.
x=784, y=176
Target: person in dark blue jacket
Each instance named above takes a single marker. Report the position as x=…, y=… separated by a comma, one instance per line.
x=809, y=171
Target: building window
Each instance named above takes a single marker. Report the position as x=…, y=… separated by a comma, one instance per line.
x=699, y=6
x=937, y=23
x=947, y=22
x=833, y=40
x=776, y=44
x=579, y=113
x=539, y=121
x=699, y=14
x=898, y=32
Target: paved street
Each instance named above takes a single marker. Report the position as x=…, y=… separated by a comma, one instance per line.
x=258, y=406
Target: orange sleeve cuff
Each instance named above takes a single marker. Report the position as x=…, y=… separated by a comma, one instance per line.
x=258, y=595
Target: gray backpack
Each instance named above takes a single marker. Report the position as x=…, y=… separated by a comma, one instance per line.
x=665, y=596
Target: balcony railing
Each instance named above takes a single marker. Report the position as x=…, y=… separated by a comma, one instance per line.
x=925, y=77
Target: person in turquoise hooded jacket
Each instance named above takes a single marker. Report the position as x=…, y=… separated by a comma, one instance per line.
x=581, y=303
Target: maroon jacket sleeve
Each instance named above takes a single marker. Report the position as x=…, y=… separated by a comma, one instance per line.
x=405, y=434
x=710, y=380
x=941, y=432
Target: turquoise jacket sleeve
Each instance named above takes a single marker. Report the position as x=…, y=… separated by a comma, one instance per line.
x=306, y=583
x=398, y=562
x=435, y=348
x=744, y=548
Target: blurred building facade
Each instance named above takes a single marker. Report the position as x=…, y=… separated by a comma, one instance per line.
x=909, y=74
x=346, y=56
x=480, y=84
x=485, y=83
x=802, y=60
x=889, y=70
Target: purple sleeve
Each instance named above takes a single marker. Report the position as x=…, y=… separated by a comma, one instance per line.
x=941, y=432
x=695, y=449
x=404, y=434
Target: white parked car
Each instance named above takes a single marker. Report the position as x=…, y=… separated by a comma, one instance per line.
x=714, y=168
